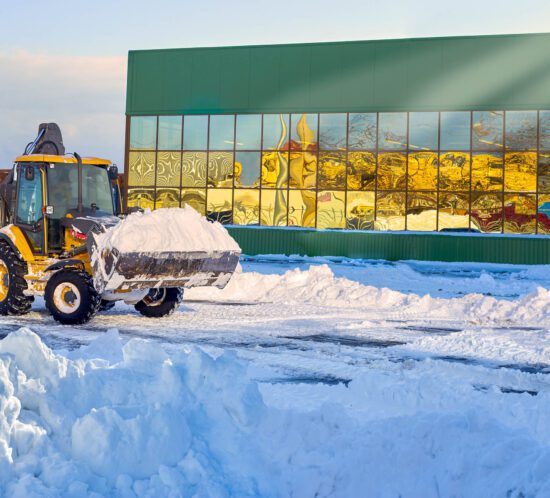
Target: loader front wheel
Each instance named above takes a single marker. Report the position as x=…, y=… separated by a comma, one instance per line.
x=71, y=297
x=160, y=302
x=13, y=301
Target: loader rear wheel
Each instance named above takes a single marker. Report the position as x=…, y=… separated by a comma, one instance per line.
x=160, y=302
x=13, y=301
x=71, y=297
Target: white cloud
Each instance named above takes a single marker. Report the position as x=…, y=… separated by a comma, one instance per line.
x=84, y=95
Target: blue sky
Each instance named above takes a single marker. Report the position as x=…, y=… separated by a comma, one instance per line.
x=65, y=61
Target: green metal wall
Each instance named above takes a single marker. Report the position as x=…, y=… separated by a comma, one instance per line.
x=458, y=73
x=394, y=246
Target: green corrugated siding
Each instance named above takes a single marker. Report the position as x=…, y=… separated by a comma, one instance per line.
x=394, y=246
x=458, y=73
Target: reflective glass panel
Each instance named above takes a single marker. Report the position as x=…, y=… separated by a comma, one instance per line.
x=195, y=132
x=219, y=205
x=487, y=130
x=486, y=212
x=361, y=171
x=520, y=171
x=360, y=211
x=275, y=128
x=362, y=131
x=521, y=130
x=392, y=169
x=274, y=169
x=222, y=132
x=246, y=207
x=543, y=214
x=330, y=209
x=332, y=131
x=487, y=171
x=422, y=170
x=301, y=208
x=220, y=169
x=544, y=172
x=141, y=197
x=141, y=169
x=454, y=210
x=247, y=169
x=422, y=211
x=454, y=171
x=167, y=198
x=303, y=170
x=455, y=131
x=303, y=132
x=390, y=211
x=520, y=213
x=193, y=172
x=274, y=207
x=544, y=130
x=168, y=169
x=423, y=130
x=249, y=132
x=332, y=170
x=196, y=198
x=143, y=132
x=170, y=132
x=392, y=130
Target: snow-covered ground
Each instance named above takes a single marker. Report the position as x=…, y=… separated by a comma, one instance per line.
x=304, y=377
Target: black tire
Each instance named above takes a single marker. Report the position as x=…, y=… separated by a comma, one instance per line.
x=106, y=305
x=13, y=269
x=71, y=297
x=160, y=302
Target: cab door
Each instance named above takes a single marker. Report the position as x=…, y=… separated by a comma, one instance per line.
x=29, y=214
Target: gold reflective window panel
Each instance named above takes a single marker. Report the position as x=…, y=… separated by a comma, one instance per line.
x=303, y=170
x=453, y=210
x=220, y=169
x=454, y=171
x=303, y=134
x=390, y=211
x=274, y=207
x=141, y=169
x=543, y=214
x=167, y=198
x=246, y=207
x=332, y=170
x=487, y=171
x=247, y=169
x=196, y=198
x=392, y=171
x=486, y=211
x=301, y=208
x=544, y=172
x=422, y=170
x=193, y=169
x=168, y=169
x=219, y=205
x=331, y=209
x=361, y=171
x=360, y=210
x=520, y=171
x=487, y=130
x=422, y=211
x=274, y=169
x=141, y=197
x=276, y=131
x=520, y=213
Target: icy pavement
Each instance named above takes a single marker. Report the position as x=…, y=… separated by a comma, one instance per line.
x=305, y=377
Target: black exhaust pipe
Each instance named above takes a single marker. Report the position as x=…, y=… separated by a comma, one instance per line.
x=79, y=161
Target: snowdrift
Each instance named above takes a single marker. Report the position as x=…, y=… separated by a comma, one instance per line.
x=131, y=421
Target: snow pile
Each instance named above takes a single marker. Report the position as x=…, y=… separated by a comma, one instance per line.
x=319, y=286
x=141, y=423
x=165, y=230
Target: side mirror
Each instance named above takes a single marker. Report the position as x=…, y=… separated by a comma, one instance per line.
x=29, y=173
x=113, y=172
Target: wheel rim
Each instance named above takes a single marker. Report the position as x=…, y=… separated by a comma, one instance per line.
x=66, y=297
x=4, y=280
x=155, y=297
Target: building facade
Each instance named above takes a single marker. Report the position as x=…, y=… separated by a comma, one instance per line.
x=424, y=135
